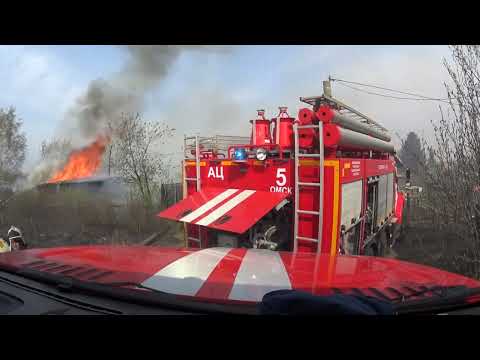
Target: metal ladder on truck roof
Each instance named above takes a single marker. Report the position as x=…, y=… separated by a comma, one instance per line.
x=344, y=109
x=299, y=185
x=196, y=179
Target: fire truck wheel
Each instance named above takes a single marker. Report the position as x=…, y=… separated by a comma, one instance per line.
x=382, y=243
x=371, y=250
x=380, y=250
x=401, y=233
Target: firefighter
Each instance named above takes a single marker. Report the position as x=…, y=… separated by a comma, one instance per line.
x=15, y=239
x=407, y=175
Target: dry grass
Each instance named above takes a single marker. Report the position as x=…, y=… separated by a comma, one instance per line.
x=427, y=244
x=78, y=217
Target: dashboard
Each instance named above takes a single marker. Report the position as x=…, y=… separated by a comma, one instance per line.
x=21, y=296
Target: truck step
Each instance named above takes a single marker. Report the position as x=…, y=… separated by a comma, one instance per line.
x=309, y=155
x=308, y=184
x=308, y=212
x=307, y=239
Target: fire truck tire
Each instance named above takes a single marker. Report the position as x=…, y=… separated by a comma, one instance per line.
x=401, y=234
x=382, y=243
x=380, y=249
x=398, y=234
x=371, y=250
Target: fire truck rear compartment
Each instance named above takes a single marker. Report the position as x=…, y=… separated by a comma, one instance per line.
x=322, y=182
x=272, y=232
x=232, y=213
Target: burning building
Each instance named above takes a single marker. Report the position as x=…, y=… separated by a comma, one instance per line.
x=80, y=172
x=109, y=186
x=82, y=163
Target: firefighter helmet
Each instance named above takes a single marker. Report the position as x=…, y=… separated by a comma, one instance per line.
x=15, y=238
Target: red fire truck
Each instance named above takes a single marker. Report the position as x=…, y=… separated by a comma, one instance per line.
x=324, y=181
x=317, y=185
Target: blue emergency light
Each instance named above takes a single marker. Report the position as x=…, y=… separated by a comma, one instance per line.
x=240, y=154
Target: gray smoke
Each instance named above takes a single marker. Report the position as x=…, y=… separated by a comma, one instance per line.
x=105, y=100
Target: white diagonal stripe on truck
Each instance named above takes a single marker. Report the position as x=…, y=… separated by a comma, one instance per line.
x=186, y=275
x=222, y=210
x=261, y=271
x=208, y=205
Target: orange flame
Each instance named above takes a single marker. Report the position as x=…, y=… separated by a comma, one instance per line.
x=82, y=163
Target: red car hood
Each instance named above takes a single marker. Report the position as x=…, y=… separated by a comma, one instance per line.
x=235, y=275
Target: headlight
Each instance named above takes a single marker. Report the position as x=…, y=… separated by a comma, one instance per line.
x=261, y=154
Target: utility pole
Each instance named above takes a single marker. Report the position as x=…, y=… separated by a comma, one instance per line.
x=327, y=88
x=327, y=91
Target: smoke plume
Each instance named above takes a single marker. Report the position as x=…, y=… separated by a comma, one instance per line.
x=106, y=99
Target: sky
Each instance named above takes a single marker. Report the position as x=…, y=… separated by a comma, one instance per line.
x=219, y=92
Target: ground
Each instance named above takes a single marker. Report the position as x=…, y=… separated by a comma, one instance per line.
x=49, y=220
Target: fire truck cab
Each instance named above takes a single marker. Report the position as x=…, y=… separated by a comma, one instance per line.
x=324, y=181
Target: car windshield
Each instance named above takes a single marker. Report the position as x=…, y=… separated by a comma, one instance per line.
x=212, y=173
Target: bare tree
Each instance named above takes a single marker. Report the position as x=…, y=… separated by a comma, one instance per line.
x=412, y=153
x=452, y=176
x=134, y=154
x=13, y=146
x=55, y=149
x=53, y=155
